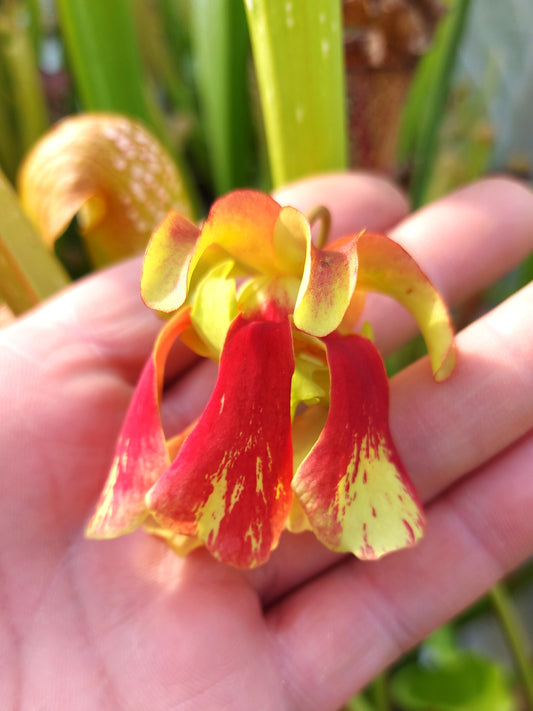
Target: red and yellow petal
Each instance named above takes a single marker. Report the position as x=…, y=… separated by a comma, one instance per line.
x=242, y=223
x=327, y=286
x=230, y=483
x=141, y=455
x=352, y=485
x=166, y=264
x=386, y=267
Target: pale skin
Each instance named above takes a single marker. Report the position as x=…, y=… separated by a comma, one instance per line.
x=125, y=625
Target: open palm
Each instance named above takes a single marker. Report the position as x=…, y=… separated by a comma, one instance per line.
x=125, y=625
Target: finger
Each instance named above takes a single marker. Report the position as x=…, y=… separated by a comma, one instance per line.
x=443, y=431
x=356, y=201
x=338, y=632
x=464, y=242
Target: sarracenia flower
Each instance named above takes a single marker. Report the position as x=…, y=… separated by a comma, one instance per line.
x=295, y=434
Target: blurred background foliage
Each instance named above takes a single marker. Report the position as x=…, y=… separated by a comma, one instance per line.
x=261, y=92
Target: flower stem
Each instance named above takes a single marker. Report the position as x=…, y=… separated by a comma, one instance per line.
x=320, y=212
x=510, y=624
x=379, y=693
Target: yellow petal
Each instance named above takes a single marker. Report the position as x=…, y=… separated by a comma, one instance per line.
x=166, y=264
x=242, y=223
x=327, y=287
x=112, y=172
x=386, y=267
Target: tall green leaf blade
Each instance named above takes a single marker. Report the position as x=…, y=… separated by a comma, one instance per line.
x=28, y=271
x=427, y=102
x=298, y=55
x=221, y=51
x=105, y=58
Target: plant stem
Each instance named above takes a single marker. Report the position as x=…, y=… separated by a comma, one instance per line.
x=510, y=624
x=379, y=693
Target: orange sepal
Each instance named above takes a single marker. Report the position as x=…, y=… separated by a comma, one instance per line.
x=242, y=223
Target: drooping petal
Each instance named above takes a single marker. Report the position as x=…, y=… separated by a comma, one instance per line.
x=242, y=223
x=386, y=267
x=111, y=171
x=327, y=286
x=141, y=454
x=230, y=483
x=166, y=263
x=352, y=485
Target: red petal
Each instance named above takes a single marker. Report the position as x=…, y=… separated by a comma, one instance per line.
x=230, y=483
x=352, y=485
x=141, y=454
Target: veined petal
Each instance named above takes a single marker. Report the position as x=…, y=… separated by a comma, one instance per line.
x=230, y=483
x=242, y=223
x=386, y=267
x=328, y=283
x=352, y=485
x=166, y=264
x=141, y=454
x=111, y=171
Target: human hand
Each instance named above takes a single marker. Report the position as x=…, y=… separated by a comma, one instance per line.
x=124, y=625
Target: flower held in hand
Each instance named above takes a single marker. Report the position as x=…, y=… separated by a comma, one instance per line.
x=295, y=434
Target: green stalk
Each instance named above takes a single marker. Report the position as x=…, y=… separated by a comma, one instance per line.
x=23, y=113
x=105, y=58
x=28, y=271
x=26, y=87
x=298, y=55
x=379, y=693
x=9, y=153
x=158, y=55
x=427, y=114
x=517, y=644
x=221, y=50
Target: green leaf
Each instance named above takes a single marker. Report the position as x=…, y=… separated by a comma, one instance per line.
x=298, y=56
x=28, y=271
x=427, y=100
x=221, y=49
x=464, y=683
x=105, y=58
x=23, y=112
